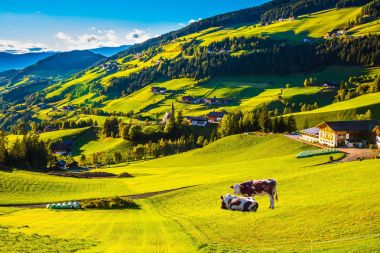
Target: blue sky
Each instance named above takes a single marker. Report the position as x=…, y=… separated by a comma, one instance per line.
x=81, y=24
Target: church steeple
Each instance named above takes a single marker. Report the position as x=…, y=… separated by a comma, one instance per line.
x=172, y=112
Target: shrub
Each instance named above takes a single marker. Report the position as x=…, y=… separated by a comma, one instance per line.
x=110, y=203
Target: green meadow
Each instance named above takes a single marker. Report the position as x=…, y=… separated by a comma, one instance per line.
x=322, y=207
x=249, y=92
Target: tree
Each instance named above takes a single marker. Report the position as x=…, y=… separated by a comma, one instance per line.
x=365, y=116
x=306, y=124
x=213, y=135
x=117, y=157
x=291, y=126
x=95, y=158
x=134, y=132
x=200, y=141
x=139, y=152
x=83, y=159
x=281, y=125
x=264, y=119
x=179, y=118
x=306, y=83
x=4, y=155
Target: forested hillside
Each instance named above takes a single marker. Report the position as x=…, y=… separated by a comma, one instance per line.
x=250, y=59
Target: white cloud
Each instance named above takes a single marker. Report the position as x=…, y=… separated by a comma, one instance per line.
x=137, y=36
x=181, y=24
x=194, y=20
x=18, y=47
x=93, y=39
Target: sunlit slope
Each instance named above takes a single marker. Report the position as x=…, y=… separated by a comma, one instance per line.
x=248, y=92
x=196, y=167
x=343, y=110
x=190, y=220
x=328, y=208
x=314, y=25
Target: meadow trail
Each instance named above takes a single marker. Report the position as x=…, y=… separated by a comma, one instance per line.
x=134, y=196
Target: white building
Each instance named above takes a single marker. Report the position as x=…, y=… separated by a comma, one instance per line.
x=310, y=135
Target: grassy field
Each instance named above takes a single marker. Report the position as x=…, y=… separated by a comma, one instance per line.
x=66, y=134
x=249, y=92
x=326, y=208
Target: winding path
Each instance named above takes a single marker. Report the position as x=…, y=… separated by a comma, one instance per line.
x=134, y=196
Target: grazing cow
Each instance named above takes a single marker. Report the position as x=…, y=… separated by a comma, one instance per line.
x=258, y=187
x=230, y=202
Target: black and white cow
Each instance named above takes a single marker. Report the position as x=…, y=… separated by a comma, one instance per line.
x=258, y=187
x=230, y=202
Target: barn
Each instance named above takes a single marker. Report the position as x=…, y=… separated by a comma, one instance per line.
x=354, y=133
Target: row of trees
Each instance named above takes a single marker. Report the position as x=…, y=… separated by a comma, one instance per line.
x=149, y=150
x=29, y=152
x=348, y=91
x=259, y=120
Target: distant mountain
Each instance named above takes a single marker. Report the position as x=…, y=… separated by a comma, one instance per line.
x=109, y=51
x=19, y=61
x=61, y=64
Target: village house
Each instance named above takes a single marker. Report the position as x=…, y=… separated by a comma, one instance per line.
x=215, y=117
x=49, y=128
x=197, y=121
x=60, y=164
x=376, y=130
x=330, y=85
x=68, y=108
x=159, y=90
x=292, y=18
x=310, y=135
x=355, y=133
x=187, y=99
x=110, y=67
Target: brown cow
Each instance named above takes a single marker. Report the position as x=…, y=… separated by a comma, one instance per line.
x=258, y=187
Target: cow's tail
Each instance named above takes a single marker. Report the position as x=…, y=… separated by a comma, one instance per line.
x=274, y=189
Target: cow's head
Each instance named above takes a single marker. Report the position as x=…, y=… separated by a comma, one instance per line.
x=226, y=200
x=236, y=188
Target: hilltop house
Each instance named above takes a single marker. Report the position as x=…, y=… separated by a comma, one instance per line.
x=310, y=135
x=215, y=117
x=330, y=85
x=355, y=133
x=197, y=121
x=159, y=90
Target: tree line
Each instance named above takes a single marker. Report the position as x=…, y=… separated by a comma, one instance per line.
x=29, y=152
x=349, y=90
x=253, y=121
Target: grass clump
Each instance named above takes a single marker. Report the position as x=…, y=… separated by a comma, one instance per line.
x=110, y=203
